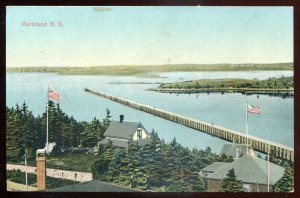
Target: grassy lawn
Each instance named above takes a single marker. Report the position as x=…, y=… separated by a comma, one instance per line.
x=19, y=177
x=72, y=162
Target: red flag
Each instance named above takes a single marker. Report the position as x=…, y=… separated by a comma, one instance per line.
x=253, y=109
x=54, y=95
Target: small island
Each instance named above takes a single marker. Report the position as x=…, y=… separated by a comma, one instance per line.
x=283, y=86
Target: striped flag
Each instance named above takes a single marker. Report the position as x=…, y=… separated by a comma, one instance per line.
x=253, y=109
x=54, y=95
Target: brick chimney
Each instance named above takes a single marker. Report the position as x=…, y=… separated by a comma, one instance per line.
x=41, y=171
x=121, y=118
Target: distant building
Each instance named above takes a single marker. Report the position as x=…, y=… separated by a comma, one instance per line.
x=93, y=186
x=251, y=170
x=119, y=132
x=234, y=150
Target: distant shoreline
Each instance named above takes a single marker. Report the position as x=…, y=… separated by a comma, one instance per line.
x=148, y=70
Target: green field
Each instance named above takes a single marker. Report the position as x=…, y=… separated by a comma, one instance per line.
x=148, y=70
x=73, y=162
x=19, y=177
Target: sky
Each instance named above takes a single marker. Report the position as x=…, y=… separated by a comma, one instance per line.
x=102, y=36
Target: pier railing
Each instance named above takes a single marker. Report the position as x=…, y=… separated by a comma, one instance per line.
x=258, y=144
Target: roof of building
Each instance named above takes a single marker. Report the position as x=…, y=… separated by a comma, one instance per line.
x=214, y=166
x=124, y=142
x=230, y=149
x=93, y=186
x=122, y=130
x=250, y=169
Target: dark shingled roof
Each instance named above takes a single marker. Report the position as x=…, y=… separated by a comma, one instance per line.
x=93, y=186
x=122, y=130
x=230, y=149
x=123, y=143
x=250, y=169
x=214, y=166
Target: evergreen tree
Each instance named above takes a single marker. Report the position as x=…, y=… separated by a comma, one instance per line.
x=286, y=183
x=154, y=162
x=21, y=134
x=225, y=158
x=231, y=184
x=75, y=129
x=115, y=165
x=92, y=133
x=273, y=158
x=100, y=167
x=106, y=121
x=13, y=132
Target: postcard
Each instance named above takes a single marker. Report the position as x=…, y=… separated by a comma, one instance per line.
x=150, y=99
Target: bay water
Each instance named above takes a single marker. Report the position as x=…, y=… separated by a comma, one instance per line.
x=276, y=122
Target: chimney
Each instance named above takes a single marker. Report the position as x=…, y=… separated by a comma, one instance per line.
x=41, y=170
x=121, y=118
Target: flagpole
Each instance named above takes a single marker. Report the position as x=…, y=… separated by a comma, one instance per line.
x=47, y=117
x=268, y=162
x=247, y=125
x=268, y=168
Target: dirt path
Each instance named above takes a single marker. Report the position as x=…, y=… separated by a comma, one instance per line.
x=63, y=174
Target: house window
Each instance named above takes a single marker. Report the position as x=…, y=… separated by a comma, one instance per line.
x=139, y=134
x=246, y=187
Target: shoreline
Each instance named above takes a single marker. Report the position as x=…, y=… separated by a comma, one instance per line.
x=284, y=93
x=136, y=70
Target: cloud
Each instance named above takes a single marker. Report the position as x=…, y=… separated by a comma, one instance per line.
x=101, y=9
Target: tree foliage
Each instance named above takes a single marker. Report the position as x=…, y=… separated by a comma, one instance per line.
x=26, y=133
x=286, y=183
x=157, y=166
x=231, y=183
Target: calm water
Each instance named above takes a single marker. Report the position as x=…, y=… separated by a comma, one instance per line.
x=228, y=110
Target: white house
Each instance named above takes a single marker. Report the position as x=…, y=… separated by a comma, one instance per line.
x=119, y=132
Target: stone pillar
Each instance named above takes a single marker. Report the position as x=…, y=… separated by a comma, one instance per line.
x=41, y=171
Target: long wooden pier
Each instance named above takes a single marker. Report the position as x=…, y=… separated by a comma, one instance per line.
x=258, y=144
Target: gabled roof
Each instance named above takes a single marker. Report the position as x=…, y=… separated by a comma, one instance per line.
x=93, y=186
x=124, y=142
x=250, y=169
x=230, y=149
x=122, y=130
x=214, y=166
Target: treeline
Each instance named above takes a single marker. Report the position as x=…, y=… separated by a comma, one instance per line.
x=158, y=166
x=143, y=69
x=232, y=83
x=26, y=133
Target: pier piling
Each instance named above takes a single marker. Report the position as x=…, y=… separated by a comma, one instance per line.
x=258, y=144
